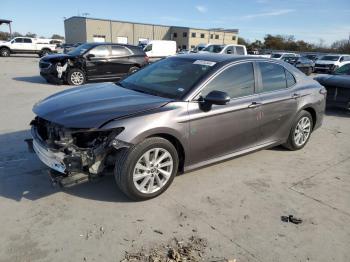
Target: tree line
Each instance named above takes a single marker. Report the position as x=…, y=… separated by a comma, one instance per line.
x=288, y=42
x=6, y=35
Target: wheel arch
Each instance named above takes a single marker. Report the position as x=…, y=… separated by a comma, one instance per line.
x=313, y=113
x=178, y=146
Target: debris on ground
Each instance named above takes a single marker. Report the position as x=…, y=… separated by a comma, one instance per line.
x=291, y=219
x=158, y=231
x=176, y=251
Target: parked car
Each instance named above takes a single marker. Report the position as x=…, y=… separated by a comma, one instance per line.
x=312, y=57
x=92, y=61
x=27, y=45
x=226, y=49
x=282, y=55
x=198, y=48
x=302, y=63
x=175, y=115
x=338, y=86
x=158, y=49
x=329, y=63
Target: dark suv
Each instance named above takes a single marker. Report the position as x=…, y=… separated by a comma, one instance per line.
x=92, y=61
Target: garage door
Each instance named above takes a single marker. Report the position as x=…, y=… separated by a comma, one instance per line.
x=122, y=40
x=99, y=39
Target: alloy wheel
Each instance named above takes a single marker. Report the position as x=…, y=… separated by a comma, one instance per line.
x=153, y=170
x=77, y=78
x=302, y=131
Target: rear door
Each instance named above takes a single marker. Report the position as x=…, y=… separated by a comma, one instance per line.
x=224, y=129
x=279, y=101
x=119, y=60
x=28, y=44
x=98, y=66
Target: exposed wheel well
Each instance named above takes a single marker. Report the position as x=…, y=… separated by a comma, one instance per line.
x=179, y=148
x=313, y=114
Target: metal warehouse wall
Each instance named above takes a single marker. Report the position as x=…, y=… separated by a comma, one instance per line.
x=120, y=29
x=98, y=28
x=75, y=30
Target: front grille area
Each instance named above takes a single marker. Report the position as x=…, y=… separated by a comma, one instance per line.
x=44, y=65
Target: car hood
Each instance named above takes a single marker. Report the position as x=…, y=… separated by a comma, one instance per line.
x=325, y=62
x=334, y=80
x=56, y=57
x=91, y=106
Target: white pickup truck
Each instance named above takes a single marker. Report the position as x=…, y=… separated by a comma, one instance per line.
x=27, y=45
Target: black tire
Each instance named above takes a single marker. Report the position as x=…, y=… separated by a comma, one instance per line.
x=127, y=159
x=291, y=144
x=44, y=52
x=133, y=69
x=4, y=51
x=71, y=77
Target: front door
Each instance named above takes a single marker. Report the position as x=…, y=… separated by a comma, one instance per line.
x=279, y=102
x=98, y=66
x=225, y=129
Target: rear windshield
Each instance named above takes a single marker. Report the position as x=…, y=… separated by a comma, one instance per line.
x=330, y=57
x=214, y=48
x=171, y=77
x=276, y=55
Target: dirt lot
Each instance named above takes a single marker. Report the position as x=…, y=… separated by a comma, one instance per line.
x=235, y=206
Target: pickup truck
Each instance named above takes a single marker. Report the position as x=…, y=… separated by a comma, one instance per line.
x=27, y=45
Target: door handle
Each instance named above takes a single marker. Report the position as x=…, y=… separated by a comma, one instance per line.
x=296, y=95
x=254, y=105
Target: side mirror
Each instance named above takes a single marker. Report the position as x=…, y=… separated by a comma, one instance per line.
x=217, y=98
x=89, y=56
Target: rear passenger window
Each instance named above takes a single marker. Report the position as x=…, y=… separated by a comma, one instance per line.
x=236, y=81
x=119, y=51
x=27, y=40
x=240, y=50
x=290, y=79
x=273, y=77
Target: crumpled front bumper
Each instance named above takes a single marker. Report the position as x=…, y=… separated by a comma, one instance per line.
x=54, y=160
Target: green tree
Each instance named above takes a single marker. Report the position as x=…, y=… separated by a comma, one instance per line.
x=56, y=36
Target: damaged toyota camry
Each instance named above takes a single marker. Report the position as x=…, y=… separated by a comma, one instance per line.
x=175, y=115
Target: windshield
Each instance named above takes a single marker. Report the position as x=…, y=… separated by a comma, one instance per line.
x=343, y=70
x=276, y=55
x=213, y=48
x=330, y=57
x=80, y=49
x=171, y=77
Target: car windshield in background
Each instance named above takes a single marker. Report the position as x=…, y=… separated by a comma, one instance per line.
x=214, y=48
x=171, y=78
x=276, y=55
x=343, y=70
x=81, y=49
x=330, y=58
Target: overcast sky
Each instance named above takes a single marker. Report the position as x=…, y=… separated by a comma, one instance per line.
x=309, y=20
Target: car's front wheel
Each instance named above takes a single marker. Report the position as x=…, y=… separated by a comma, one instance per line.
x=300, y=132
x=76, y=77
x=146, y=170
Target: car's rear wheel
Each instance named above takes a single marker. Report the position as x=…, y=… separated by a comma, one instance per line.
x=5, y=52
x=44, y=52
x=300, y=132
x=76, y=77
x=146, y=170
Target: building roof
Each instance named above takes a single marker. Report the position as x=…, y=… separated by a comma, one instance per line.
x=4, y=21
x=209, y=29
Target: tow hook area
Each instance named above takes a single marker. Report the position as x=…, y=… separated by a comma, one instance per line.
x=65, y=180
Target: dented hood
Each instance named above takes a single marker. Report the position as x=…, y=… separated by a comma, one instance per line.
x=90, y=106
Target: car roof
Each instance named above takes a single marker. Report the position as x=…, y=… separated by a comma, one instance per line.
x=108, y=43
x=222, y=58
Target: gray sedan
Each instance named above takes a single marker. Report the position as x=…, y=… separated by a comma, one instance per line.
x=175, y=115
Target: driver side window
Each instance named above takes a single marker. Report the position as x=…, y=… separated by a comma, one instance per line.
x=100, y=51
x=236, y=81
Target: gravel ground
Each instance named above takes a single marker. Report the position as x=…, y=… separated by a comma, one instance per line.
x=236, y=206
